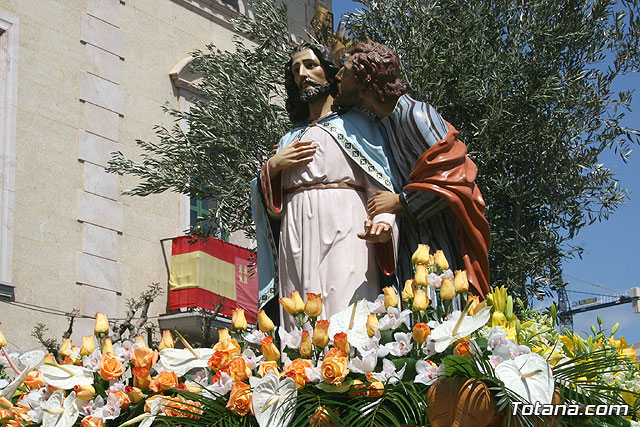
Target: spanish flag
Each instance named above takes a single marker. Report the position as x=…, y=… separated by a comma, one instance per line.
x=209, y=272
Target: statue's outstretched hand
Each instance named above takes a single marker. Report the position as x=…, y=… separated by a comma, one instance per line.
x=380, y=232
x=383, y=202
x=294, y=154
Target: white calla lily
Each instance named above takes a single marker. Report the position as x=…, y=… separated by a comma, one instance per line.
x=66, y=376
x=273, y=400
x=340, y=322
x=458, y=325
x=32, y=359
x=9, y=390
x=528, y=375
x=60, y=412
x=182, y=361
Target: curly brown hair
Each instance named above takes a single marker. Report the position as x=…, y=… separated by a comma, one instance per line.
x=377, y=68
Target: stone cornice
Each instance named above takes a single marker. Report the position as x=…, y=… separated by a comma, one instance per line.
x=215, y=10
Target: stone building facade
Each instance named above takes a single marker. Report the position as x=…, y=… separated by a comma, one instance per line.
x=78, y=80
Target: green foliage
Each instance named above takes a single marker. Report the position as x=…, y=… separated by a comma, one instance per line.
x=526, y=83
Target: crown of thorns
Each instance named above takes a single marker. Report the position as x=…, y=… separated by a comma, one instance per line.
x=340, y=41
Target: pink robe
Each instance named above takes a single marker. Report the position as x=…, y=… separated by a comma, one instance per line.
x=320, y=251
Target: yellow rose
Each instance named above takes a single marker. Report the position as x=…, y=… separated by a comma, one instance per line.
x=144, y=357
x=407, y=292
x=240, y=399
x=192, y=388
x=268, y=366
x=295, y=296
x=167, y=340
x=84, y=392
x=3, y=340
x=372, y=320
x=447, y=290
x=110, y=367
x=334, y=369
x=341, y=342
x=225, y=343
x=134, y=393
x=420, y=300
x=265, y=324
x=289, y=305
x=88, y=345
x=420, y=332
x=441, y=260
x=390, y=297
x=102, y=324
x=305, y=344
x=460, y=282
x=321, y=334
x=66, y=346
x=238, y=321
x=421, y=275
x=421, y=255
x=269, y=349
x=107, y=347
x=313, y=307
x=163, y=381
x=223, y=335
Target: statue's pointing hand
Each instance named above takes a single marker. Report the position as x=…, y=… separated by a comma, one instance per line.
x=295, y=154
x=380, y=232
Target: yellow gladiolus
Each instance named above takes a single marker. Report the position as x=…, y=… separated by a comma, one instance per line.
x=499, y=319
x=441, y=260
x=460, y=282
x=102, y=324
x=420, y=300
x=447, y=290
x=238, y=320
x=265, y=324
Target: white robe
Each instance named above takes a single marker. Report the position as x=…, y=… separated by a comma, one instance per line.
x=320, y=251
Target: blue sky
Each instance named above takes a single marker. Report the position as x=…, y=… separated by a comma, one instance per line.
x=607, y=265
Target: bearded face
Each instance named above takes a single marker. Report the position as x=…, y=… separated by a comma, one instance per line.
x=313, y=91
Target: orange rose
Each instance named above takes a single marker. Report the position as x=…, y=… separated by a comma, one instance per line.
x=305, y=345
x=142, y=381
x=341, y=342
x=376, y=389
x=226, y=343
x=238, y=369
x=356, y=389
x=92, y=421
x=300, y=380
x=420, y=332
x=4, y=403
x=240, y=399
x=463, y=349
x=313, y=307
x=180, y=407
x=219, y=360
x=334, y=369
x=268, y=366
x=110, y=368
x=269, y=350
x=296, y=371
x=84, y=392
x=321, y=334
x=143, y=356
x=475, y=304
x=34, y=380
x=134, y=393
x=335, y=352
x=323, y=417
x=123, y=398
x=192, y=409
x=163, y=381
